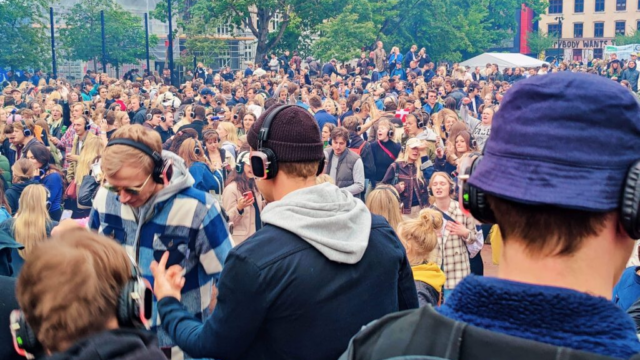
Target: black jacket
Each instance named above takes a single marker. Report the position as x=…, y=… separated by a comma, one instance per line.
x=196, y=125
x=298, y=303
x=381, y=159
x=365, y=154
x=8, y=303
x=120, y=344
x=14, y=192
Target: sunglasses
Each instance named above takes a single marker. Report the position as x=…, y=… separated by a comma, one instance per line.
x=133, y=191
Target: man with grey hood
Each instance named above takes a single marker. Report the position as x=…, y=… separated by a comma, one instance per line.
x=321, y=267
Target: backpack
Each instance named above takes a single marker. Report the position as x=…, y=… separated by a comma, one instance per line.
x=424, y=334
x=358, y=150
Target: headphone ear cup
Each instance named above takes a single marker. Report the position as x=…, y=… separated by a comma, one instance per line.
x=239, y=168
x=358, y=128
x=193, y=115
x=631, y=202
x=321, y=166
x=391, y=133
x=475, y=199
x=430, y=192
x=149, y=116
x=25, y=338
x=272, y=167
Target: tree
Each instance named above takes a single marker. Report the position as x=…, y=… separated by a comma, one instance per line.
x=342, y=42
x=259, y=17
x=539, y=41
x=124, y=34
x=23, y=34
x=632, y=38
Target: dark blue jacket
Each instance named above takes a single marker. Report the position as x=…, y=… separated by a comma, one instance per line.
x=280, y=298
x=552, y=315
x=329, y=69
x=14, y=192
x=323, y=117
x=248, y=72
x=400, y=73
x=55, y=184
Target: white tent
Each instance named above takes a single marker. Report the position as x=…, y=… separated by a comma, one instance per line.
x=503, y=60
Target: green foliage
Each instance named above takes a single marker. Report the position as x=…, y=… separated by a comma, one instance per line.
x=24, y=36
x=342, y=37
x=539, y=41
x=632, y=38
x=124, y=33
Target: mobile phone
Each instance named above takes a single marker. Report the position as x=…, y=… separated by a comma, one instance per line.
x=226, y=166
x=248, y=195
x=167, y=171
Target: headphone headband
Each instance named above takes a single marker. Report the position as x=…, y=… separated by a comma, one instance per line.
x=155, y=156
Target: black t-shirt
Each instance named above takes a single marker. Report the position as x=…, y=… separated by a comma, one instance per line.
x=164, y=134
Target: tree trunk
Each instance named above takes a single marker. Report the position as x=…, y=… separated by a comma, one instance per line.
x=95, y=64
x=117, y=71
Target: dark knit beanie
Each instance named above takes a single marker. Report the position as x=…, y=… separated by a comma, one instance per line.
x=294, y=135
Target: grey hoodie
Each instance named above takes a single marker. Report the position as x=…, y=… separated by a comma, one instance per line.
x=327, y=217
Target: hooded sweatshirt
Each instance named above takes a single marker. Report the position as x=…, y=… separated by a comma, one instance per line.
x=121, y=344
x=180, y=219
x=429, y=282
x=324, y=216
x=320, y=269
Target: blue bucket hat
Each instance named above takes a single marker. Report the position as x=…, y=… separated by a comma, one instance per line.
x=565, y=139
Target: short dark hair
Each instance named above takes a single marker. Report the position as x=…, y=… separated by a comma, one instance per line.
x=315, y=102
x=340, y=132
x=546, y=230
x=156, y=111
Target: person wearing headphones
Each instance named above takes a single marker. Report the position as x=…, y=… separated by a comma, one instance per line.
x=361, y=147
x=172, y=216
x=31, y=225
x=321, y=266
x=194, y=157
x=197, y=115
x=50, y=176
x=408, y=179
x=242, y=201
x=81, y=128
x=137, y=113
x=102, y=317
x=385, y=150
x=535, y=191
x=165, y=127
x=24, y=137
x=321, y=115
x=343, y=165
x=153, y=119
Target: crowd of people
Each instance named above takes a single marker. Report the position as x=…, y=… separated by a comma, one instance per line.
x=276, y=210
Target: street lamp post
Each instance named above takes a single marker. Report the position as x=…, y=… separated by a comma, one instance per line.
x=559, y=20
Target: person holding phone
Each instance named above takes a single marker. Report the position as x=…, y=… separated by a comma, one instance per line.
x=148, y=204
x=242, y=201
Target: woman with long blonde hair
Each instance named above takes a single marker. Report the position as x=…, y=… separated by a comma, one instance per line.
x=420, y=239
x=90, y=155
x=31, y=224
x=384, y=200
x=228, y=137
x=407, y=177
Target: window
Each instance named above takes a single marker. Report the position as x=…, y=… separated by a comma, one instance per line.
x=577, y=54
x=598, y=29
x=578, y=6
x=638, y=25
x=554, y=30
x=638, y=4
x=599, y=5
x=223, y=30
x=555, y=7
x=597, y=53
x=621, y=5
x=577, y=30
x=620, y=27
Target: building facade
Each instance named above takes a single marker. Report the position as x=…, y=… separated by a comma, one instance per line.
x=586, y=27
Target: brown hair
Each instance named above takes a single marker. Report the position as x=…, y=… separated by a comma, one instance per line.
x=340, y=132
x=117, y=156
x=546, y=230
x=91, y=267
x=315, y=102
x=302, y=170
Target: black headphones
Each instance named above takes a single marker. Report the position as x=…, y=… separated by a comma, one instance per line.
x=87, y=123
x=158, y=163
x=240, y=162
x=392, y=131
x=86, y=109
x=25, y=130
x=451, y=188
x=196, y=149
x=420, y=123
x=150, y=116
x=475, y=201
x=390, y=189
x=357, y=110
x=265, y=160
x=134, y=310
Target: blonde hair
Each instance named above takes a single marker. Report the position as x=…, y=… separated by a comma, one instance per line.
x=384, y=200
x=420, y=236
x=452, y=185
x=116, y=156
x=324, y=178
x=30, y=226
x=232, y=132
x=91, y=150
x=418, y=163
x=187, y=152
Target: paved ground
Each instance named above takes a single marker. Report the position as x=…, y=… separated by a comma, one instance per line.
x=489, y=268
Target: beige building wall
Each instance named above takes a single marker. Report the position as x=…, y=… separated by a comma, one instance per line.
x=590, y=44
